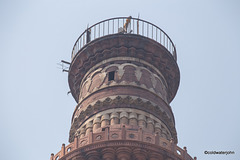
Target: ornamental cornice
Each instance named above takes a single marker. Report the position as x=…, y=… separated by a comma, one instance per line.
x=122, y=102
x=166, y=150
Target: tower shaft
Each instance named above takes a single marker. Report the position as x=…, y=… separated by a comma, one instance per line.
x=123, y=78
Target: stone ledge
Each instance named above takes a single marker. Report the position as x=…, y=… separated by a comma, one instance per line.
x=97, y=142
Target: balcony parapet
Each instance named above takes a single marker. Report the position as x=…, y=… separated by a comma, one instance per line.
x=124, y=25
x=120, y=135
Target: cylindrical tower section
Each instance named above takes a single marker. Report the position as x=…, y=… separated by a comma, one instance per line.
x=124, y=78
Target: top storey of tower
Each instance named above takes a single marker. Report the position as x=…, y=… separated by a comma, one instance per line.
x=119, y=38
x=124, y=25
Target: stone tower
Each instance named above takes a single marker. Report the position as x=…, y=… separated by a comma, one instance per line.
x=123, y=76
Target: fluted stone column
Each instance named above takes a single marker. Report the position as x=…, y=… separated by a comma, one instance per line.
x=164, y=133
x=133, y=119
x=114, y=118
x=123, y=118
x=105, y=120
x=150, y=126
x=96, y=124
x=82, y=132
x=89, y=127
x=142, y=121
x=158, y=128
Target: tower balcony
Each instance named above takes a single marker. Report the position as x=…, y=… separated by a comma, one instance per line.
x=125, y=38
x=124, y=25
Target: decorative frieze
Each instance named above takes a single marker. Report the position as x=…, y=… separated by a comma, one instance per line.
x=123, y=142
x=125, y=117
x=125, y=74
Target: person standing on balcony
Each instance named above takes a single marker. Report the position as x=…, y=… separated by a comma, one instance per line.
x=127, y=25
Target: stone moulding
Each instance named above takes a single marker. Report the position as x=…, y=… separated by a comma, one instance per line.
x=158, y=145
x=124, y=90
x=120, y=102
x=131, y=118
x=155, y=79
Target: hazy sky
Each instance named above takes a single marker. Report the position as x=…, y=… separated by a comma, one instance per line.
x=36, y=35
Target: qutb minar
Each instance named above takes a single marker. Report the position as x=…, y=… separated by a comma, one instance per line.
x=123, y=75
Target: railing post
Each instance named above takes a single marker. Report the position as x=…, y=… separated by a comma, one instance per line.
x=173, y=146
x=123, y=132
x=88, y=34
x=157, y=139
x=76, y=142
x=174, y=53
x=138, y=26
x=52, y=156
x=90, y=137
x=140, y=134
x=63, y=150
x=107, y=129
x=184, y=152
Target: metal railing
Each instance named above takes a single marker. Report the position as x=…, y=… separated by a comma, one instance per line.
x=124, y=25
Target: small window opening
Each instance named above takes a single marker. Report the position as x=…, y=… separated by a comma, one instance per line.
x=111, y=76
